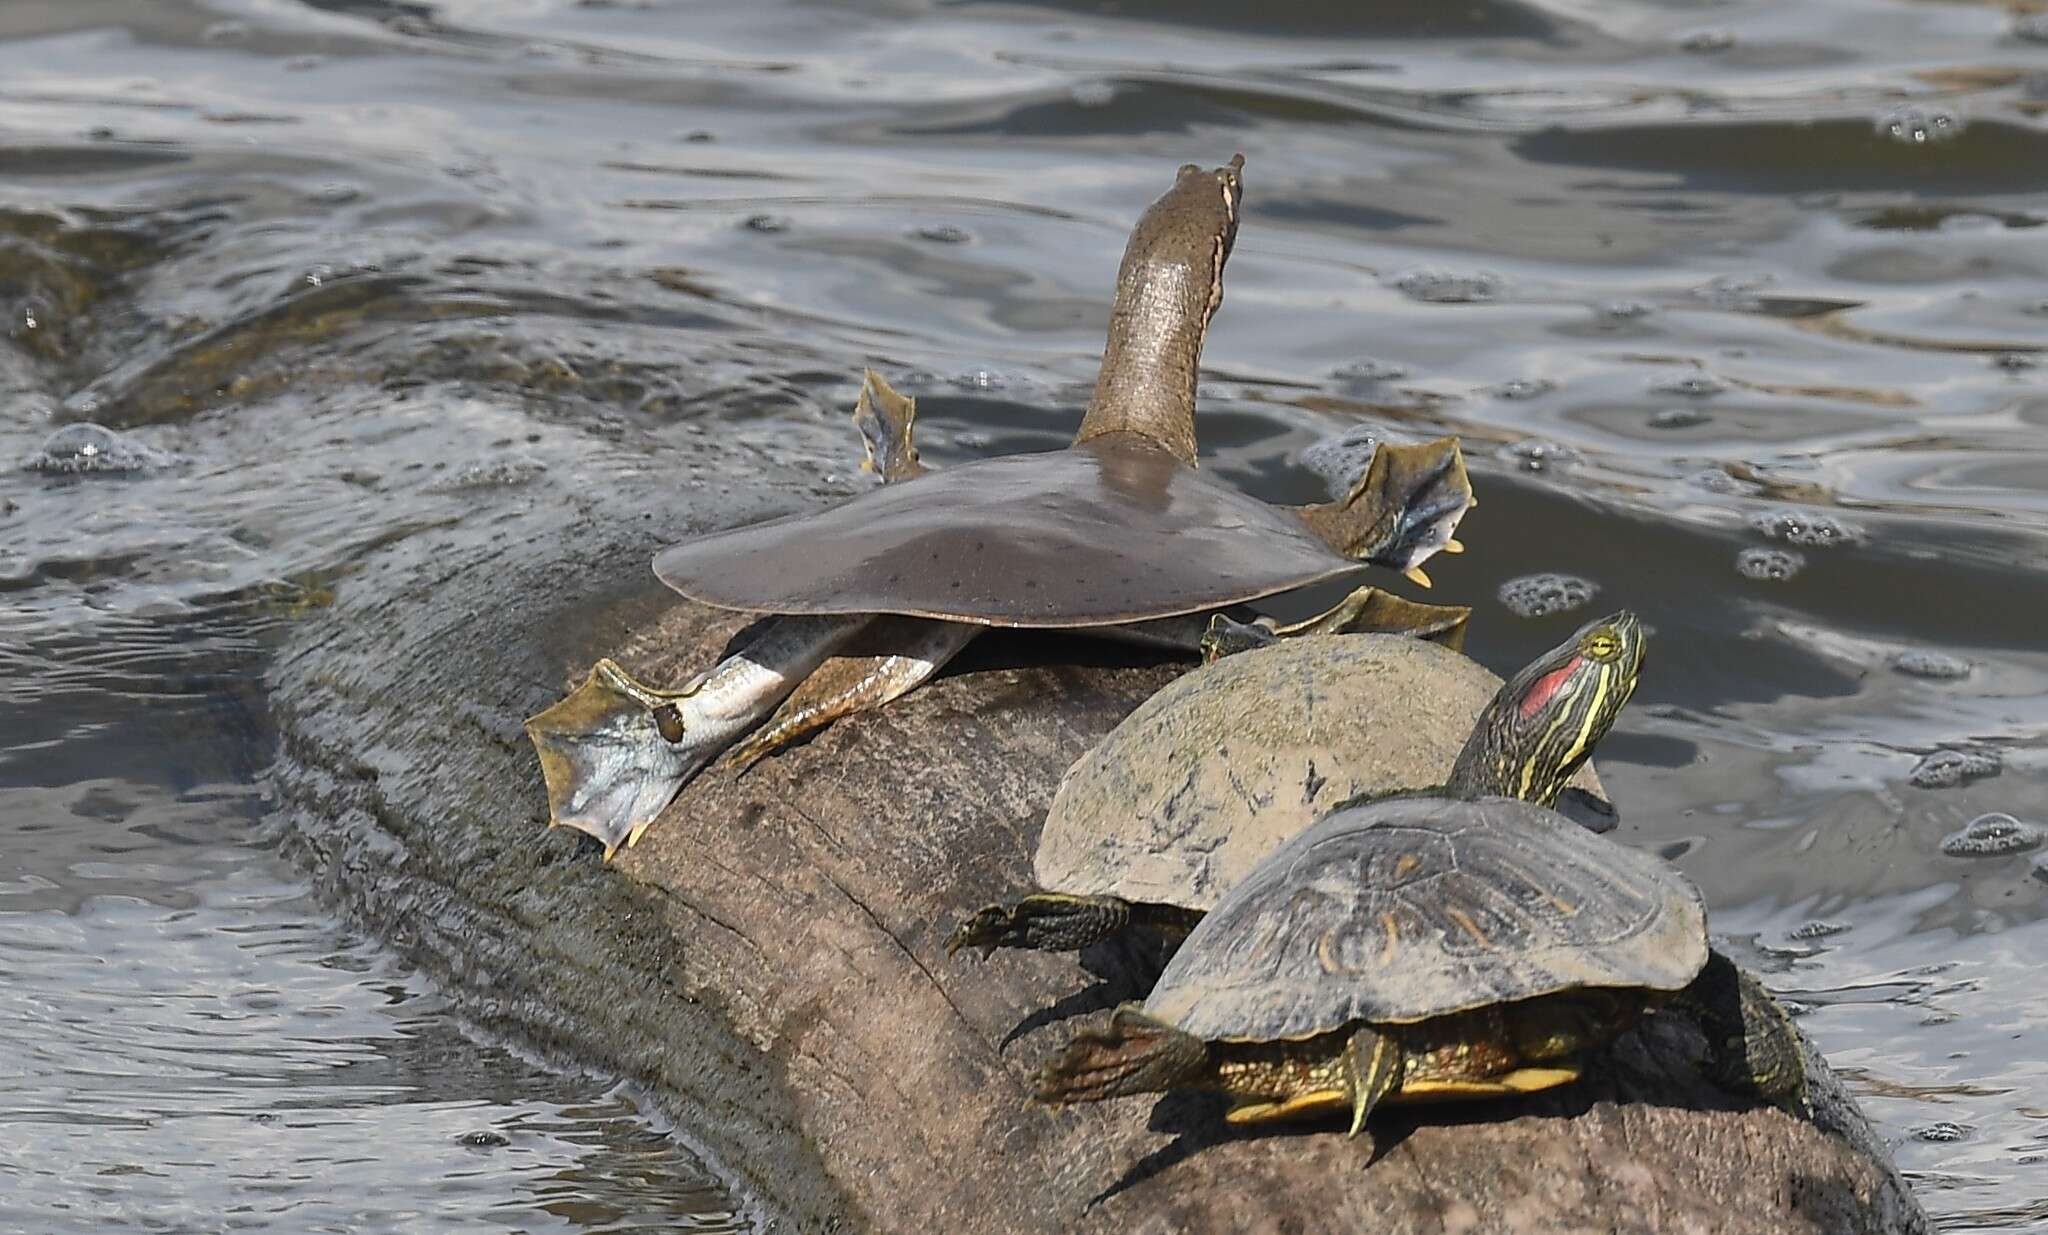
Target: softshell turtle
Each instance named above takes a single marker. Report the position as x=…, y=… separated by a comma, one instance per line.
x=1118, y=532
x=1424, y=947
x=1204, y=779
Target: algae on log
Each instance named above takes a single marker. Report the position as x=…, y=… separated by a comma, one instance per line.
x=769, y=963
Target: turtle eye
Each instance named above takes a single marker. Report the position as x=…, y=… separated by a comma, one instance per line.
x=1602, y=645
x=669, y=722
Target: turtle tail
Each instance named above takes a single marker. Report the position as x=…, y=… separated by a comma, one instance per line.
x=1135, y=1054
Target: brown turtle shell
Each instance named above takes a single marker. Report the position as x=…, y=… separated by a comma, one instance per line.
x=1416, y=907
x=1106, y=531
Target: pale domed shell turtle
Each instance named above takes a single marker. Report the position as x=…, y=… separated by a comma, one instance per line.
x=1177, y=803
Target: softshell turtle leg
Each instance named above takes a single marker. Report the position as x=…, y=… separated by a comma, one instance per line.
x=886, y=421
x=1751, y=1044
x=1367, y=610
x=1403, y=510
x=920, y=647
x=615, y=750
x=1057, y=922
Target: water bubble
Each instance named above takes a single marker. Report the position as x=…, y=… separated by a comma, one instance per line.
x=1437, y=286
x=1340, y=460
x=1534, y=596
x=484, y=1138
x=1993, y=835
x=768, y=223
x=1679, y=418
x=2014, y=362
x=2032, y=28
x=1800, y=527
x=495, y=474
x=698, y=135
x=1733, y=291
x=1623, y=310
x=82, y=449
x=334, y=194
x=1696, y=385
x=1715, y=480
x=1539, y=455
x=1707, y=42
x=1776, y=564
x=1945, y=769
x=225, y=32
x=1818, y=929
x=1919, y=663
x=1093, y=93
x=944, y=233
x=1523, y=388
x=1946, y=1130
x=1913, y=125
x=1369, y=370
x=980, y=379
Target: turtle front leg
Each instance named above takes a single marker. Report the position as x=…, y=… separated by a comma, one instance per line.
x=1057, y=922
x=615, y=750
x=1371, y=1066
x=1751, y=1044
x=848, y=684
x=1402, y=511
x=1135, y=1054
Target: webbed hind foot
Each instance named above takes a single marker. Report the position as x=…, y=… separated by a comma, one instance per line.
x=1751, y=1044
x=610, y=755
x=1367, y=610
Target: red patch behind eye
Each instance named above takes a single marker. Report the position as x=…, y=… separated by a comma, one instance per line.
x=1546, y=686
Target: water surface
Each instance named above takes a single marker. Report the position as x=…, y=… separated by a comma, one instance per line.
x=1741, y=311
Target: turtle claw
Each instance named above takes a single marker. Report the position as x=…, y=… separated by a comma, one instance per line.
x=607, y=759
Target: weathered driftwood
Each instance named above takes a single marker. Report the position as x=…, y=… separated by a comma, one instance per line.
x=770, y=964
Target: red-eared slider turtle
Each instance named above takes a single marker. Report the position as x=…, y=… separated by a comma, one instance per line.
x=1424, y=948
x=1162, y=816
x=1119, y=531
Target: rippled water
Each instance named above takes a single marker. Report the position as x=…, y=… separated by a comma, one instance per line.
x=1741, y=310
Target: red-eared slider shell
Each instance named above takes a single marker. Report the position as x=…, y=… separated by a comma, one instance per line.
x=1223, y=765
x=1417, y=907
x=1107, y=531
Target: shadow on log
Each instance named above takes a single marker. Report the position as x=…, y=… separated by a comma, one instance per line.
x=769, y=963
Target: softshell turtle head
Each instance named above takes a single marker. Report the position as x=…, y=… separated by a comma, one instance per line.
x=613, y=752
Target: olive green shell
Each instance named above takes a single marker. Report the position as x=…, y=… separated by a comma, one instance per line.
x=1417, y=907
x=1214, y=772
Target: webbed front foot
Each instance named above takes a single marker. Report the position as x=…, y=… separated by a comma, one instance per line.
x=1044, y=922
x=1403, y=510
x=612, y=755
